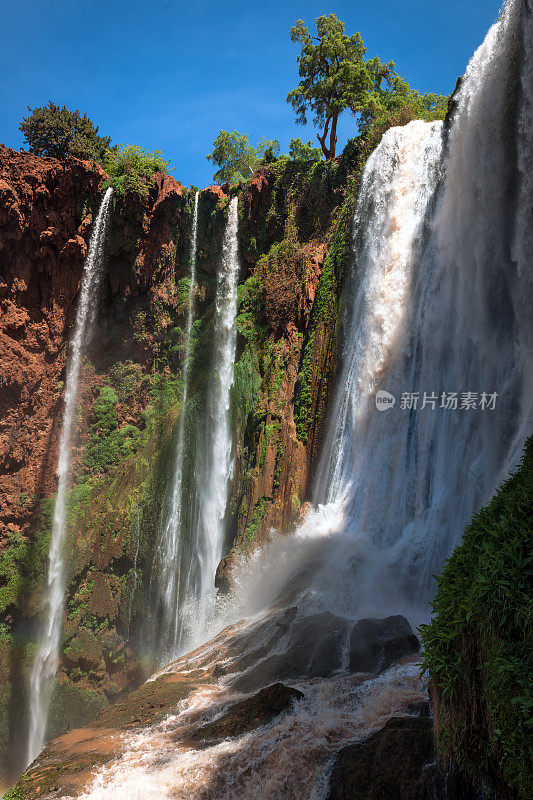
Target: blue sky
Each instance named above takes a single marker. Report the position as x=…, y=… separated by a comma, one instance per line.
x=169, y=74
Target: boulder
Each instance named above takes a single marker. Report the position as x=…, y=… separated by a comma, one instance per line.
x=250, y=713
x=395, y=763
x=314, y=650
x=375, y=644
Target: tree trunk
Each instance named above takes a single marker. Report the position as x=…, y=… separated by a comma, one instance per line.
x=322, y=139
x=329, y=152
x=333, y=137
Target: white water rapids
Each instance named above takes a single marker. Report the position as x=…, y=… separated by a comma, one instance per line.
x=46, y=660
x=437, y=304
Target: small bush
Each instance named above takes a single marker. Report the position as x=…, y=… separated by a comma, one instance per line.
x=131, y=168
x=109, y=443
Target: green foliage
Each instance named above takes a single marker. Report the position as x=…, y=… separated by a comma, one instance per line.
x=131, y=168
x=234, y=156
x=23, y=559
x=13, y=793
x=267, y=151
x=304, y=151
x=108, y=443
x=72, y=705
x=55, y=131
x=478, y=646
x=323, y=317
x=257, y=517
x=335, y=77
x=395, y=98
x=237, y=159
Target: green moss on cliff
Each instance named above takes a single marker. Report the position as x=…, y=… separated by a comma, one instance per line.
x=323, y=326
x=479, y=648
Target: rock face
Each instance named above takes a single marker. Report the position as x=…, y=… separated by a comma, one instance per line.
x=396, y=763
x=46, y=211
x=295, y=233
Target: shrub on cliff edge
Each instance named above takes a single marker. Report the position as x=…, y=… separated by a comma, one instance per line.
x=57, y=132
x=131, y=168
x=478, y=648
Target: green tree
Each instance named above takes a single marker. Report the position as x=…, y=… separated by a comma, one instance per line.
x=267, y=151
x=334, y=76
x=304, y=151
x=130, y=168
x=55, y=131
x=236, y=158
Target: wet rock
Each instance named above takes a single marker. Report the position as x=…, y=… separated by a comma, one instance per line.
x=150, y=703
x=419, y=709
x=314, y=650
x=253, y=712
x=375, y=644
x=396, y=763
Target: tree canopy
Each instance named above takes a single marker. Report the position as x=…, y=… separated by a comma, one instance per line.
x=335, y=76
x=130, y=167
x=55, y=131
x=304, y=151
x=236, y=158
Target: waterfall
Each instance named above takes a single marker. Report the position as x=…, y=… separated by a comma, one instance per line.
x=438, y=305
x=215, y=456
x=46, y=660
x=172, y=551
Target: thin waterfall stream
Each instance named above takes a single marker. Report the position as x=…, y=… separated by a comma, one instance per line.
x=172, y=550
x=46, y=660
x=215, y=458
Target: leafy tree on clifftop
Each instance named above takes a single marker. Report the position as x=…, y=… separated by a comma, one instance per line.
x=335, y=76
x=236, y=158
x=131, y=168
x=57, y=132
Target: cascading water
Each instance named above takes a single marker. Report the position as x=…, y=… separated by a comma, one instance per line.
x=441, y=307
x=214, y=460
x=437, y=304
x=46, y=660
x=173, y=561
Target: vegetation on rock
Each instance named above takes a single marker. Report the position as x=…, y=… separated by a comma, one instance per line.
x=57, y=132
x=478, y=646
x=131, y=168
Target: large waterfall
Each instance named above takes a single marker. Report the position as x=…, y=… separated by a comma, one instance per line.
x=46, y=660
x=434, y=402
x=174, y=558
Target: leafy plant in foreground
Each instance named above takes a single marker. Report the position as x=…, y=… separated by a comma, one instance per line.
x=478, y=646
